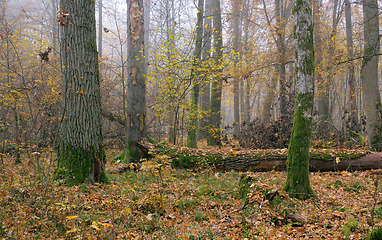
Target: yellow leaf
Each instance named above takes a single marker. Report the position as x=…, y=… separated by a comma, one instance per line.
x=235, y=152
x=71, y=217
x=71, y=231
x=95, y=226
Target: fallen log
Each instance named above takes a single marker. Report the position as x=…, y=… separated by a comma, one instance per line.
x=278, y=163
x=267, y=160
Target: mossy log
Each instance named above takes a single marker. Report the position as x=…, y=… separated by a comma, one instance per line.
x=268, y=160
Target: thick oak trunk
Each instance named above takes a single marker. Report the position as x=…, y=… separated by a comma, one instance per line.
x=81, y=155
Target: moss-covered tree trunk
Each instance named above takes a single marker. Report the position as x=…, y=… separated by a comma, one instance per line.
x=81, y=155
x=136, y=82
x=217, y=83
x=297, y=183
x=369, y=74
x=193, y=123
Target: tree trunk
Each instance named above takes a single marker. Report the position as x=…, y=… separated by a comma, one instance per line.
x=54, y=27
x=322, y=98
x=81, y=155
x=369, y=74
x=136, y=79
x=146, y=28
x=205, y=90
x=100, y=28
x=297, y=182
x=236, y=90
x=279, y=163
x=267, y=105
x=354, y=126
x=217, y=84
x=195, y=76
x=281, y=20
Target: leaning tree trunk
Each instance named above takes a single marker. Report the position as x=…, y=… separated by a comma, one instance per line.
x=136, y=82
x=369, y=74
x=81, y=155
x=217, y=84
x=297, y=183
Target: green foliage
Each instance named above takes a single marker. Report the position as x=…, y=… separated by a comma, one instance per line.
x=350, y=226
x=375, y=234
x=183, y=162
x=354, y=187
x=122, y=157
x=200, y=217
x=245, y=186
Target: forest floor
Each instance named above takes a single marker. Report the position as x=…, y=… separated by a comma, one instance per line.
x=159, y=202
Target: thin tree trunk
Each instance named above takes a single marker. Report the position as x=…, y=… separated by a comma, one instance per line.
x=54, y=28
x=297, y=182
x=146, y=23
x=322, y=98
x=236, y=98
x=369, y=74
x=267, y=105
x=217, y=84
x=193, y=123
x=100, y=28
x=205, y=91
x=281, y=20
x=351, y=75
x=81, y=155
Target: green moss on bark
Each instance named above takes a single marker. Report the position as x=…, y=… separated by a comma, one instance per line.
x=134, y=155
x=298, y=184
x=77, y=165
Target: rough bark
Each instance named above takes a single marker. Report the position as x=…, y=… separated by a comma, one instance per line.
x=297, y=182
x=193, y=123
x=369, y=74
x=81, y=155
x=136, y=80
x=354, y=126
x=217, y=84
